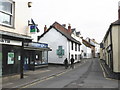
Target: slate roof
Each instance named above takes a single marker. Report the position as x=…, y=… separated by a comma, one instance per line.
x=116, y=22
x=62, y=30
x=87, y=44
x=109, y=29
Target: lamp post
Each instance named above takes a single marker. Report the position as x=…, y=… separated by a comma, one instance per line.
x=22, y=60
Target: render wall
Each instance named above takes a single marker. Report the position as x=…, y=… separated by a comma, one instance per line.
x=22, y=15
x=116, y=52
x=54, y=39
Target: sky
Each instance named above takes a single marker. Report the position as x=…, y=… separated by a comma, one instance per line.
x=91, y=17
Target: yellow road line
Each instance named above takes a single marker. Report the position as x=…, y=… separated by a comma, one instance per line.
x=47, y=78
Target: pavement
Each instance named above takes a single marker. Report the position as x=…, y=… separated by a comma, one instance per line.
x=42, y=74
x=37, y=75
x=107, y=72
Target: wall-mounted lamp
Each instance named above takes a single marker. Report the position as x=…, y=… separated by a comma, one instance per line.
x=29, y=4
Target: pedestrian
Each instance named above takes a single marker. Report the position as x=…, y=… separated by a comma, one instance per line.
x=72, y=62
x=66, y=63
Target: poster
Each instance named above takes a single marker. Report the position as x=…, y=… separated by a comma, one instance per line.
x=10, y=58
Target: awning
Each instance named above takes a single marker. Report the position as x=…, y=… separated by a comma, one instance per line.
x=37, y=49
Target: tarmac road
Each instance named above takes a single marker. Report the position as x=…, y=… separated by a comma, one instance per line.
x=87, y=75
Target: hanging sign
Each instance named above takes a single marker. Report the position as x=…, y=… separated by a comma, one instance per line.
x=32, y=28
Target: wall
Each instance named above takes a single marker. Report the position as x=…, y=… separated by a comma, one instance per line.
x=119, y=48
x=54, y=39
x=83, y=47
x=22, y=15
x=115, y=48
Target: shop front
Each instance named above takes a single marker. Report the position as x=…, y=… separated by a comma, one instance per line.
x=36, y=55
x=10, y=52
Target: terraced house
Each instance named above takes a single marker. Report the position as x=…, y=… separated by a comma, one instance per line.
x=16, y=47
x=62, y=43
x=110, y=50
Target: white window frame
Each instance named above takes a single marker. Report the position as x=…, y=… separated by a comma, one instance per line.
x=12, y=15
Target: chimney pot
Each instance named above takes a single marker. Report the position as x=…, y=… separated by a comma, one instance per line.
x=45, y=28
x=69, y=28
x=119, y=10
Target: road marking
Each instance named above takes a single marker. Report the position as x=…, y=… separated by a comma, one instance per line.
x=47, y=78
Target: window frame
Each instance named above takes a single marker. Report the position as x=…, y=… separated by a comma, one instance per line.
x=12, y=14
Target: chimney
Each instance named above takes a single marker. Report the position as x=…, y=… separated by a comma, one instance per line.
x=45, y=28
x=81, y=37
x=69, y=28
x=93, y=39
x=119, y=10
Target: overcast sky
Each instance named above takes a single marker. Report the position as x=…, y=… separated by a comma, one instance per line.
x=91, y=17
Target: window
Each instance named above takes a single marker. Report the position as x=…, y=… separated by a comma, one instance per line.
x=75, y=56
x=72, y=56
x=75, y=46
x=72, y=45
x=78, y=47
x=6, y=12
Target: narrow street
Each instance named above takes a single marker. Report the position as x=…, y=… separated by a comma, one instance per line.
x=87, y=75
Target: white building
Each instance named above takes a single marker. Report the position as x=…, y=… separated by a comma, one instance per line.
x=84, y=50
x=62, y=44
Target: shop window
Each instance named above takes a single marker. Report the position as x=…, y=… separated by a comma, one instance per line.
x=6, y=12
x=44, y=57
x=11, y=58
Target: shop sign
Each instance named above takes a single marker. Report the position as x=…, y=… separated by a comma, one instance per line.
x=38, y=45
x=10, y=42
x=10, y=58
x=32, y=28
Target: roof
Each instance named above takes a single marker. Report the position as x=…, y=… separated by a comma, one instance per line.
x=116, y=22
x=109, y=29
x=62, y=30
x=87, y=44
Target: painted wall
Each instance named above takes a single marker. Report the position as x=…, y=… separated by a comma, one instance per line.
x=22, y=15
x=119, y=48
x=83, y=47
x=54, y=39
x=73, y=52
x=115, y=30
